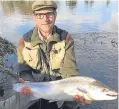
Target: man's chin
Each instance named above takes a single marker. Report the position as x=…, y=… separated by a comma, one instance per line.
x=46, y=29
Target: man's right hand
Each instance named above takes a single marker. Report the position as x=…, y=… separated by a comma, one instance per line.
x=26, y=90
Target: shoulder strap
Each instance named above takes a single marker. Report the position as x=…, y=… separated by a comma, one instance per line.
x=64, y=35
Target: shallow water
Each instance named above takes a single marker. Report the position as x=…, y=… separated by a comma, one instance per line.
x=93, y=25
x=97, y=57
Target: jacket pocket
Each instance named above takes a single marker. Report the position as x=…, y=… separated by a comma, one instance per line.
x=31, y=56
x=57, y=54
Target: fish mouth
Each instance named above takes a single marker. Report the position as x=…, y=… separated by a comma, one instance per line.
x=112, y=95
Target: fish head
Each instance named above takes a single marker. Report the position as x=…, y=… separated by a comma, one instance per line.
x=99, y=91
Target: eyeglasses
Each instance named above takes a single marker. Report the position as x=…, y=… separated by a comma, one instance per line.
x=48, y=15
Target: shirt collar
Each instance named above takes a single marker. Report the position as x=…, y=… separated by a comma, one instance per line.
x=37, y=38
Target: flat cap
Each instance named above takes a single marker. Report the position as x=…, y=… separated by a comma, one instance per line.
x=41, y=4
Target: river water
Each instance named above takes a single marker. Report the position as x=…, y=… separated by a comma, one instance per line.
x=94, y=27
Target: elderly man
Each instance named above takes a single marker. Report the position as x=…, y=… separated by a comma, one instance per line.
x=46, y=52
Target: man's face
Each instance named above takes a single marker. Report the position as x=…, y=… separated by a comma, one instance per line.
x=45, y=19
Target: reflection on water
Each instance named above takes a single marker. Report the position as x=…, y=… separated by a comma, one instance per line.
x=71, y=4
x=73, y=15
x=89, y=3
x=93, y=25
x=9, y=7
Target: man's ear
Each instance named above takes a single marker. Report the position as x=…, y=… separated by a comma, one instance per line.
x=55, y=14
x=34, y=18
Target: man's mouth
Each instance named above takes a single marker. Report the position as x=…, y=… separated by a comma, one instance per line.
x=46, y=23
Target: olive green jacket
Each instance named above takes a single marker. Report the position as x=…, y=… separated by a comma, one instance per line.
x=38, y=56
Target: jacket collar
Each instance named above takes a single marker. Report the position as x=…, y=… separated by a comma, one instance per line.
x=35, y=39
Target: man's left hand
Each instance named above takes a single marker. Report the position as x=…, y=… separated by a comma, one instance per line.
x=81, y=100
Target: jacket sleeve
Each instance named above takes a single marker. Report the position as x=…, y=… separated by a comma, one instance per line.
x=22, y=66
x=69, y=67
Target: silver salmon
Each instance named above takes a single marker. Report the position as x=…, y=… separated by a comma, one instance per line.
x=66, y=89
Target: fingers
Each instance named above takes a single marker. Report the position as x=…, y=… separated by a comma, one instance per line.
x=81, y=100
x=88, y=101
x=26, y=90
x=21, y=80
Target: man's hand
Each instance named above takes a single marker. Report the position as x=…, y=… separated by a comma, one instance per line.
x=82, y=100
x=21, y=80
x=26, y=90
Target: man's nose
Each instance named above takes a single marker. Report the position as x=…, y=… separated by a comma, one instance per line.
x=46, y=18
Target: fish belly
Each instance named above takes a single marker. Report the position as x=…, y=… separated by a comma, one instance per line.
x=52, y=93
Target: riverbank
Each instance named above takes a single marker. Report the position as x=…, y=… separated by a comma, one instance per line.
x=6, y=47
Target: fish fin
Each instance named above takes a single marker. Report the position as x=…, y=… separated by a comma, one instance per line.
x=81, y=90
x=77, y=91
x=32, y=98
x=60, y=103
x=83, y=93
x=51, y=101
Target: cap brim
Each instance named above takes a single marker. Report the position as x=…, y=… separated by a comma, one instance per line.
x=39, y=9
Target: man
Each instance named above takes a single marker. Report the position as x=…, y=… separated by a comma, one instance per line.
x=46, y=52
